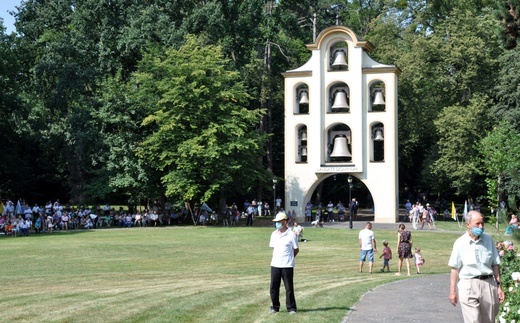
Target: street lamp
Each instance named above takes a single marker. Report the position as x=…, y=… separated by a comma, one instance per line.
x=275, y=180
x=350, y=185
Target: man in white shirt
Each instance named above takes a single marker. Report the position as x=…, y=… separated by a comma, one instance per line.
x=475, y=273
x=278, y=204
x=285, y=248
x=27, y=212
x=367, y=245
x=330, y=211
x=154, y=217
x=35, y=211
x=56, y=205
x=128, y=220
x=93, y=220
x=48, y=208
x=65, y=221
x=106, y=209
x=23, y=227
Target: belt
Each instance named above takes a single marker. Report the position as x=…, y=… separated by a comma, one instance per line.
x=482, y=277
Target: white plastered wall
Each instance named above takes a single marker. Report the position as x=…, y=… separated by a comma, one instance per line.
x=381, y=177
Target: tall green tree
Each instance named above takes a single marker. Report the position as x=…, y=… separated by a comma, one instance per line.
x=12, y=115
x=124, y=174
x=500, y=146
x=202, y=136
x=500, y=151
x=507, y=88
x=463, y=76
x=73, y=113
x=438, y=70
x=460, y=128
x=71, y=54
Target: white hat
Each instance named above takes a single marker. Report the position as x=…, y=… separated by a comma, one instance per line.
x=279, y=217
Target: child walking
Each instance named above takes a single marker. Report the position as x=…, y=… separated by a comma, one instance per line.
x=386, y=255
x=418, y=259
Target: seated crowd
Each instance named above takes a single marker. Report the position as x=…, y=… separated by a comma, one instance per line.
x=20, y=220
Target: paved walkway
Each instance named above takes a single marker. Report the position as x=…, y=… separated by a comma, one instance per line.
x=414, y=300
x=423, y=300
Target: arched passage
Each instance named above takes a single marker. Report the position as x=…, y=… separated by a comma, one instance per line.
x=334, y=189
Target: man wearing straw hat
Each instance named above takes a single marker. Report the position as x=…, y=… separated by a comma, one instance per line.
x=285, y=248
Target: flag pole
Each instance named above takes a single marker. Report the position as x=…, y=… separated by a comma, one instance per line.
x=454, y=213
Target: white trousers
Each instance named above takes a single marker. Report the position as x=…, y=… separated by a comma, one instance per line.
x=478, y=299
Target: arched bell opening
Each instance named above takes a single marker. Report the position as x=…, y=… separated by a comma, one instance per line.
x=339, y=98
x=377, y=151
x=338, y=58
x=339, y=144
x=301, y=145
x=377, y=97
x=302, y=99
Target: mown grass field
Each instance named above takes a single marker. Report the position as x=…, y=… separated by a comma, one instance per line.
x=190, y=274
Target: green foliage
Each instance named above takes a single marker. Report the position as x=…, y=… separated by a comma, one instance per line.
x=441, y=76
x=459, y=128
x=11, y=112
x=510, y=277
x=508, y=12
x=66, y=99
x=360, y=15
x=500, y=151
x=507, y=107
x=119, y=124
x=201, y=133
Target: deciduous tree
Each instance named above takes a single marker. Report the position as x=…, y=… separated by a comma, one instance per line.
x=202, y=135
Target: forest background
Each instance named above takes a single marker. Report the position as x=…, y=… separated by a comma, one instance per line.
x=125, y=101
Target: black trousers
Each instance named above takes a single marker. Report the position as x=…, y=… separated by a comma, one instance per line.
x=277, y=275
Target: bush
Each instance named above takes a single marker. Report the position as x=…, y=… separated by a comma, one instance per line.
x=510, y=277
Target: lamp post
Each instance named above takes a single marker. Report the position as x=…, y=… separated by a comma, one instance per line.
x=275, y=180
x=350, y=185
x=405, y=200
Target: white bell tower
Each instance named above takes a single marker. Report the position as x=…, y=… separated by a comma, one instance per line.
x=341, y=117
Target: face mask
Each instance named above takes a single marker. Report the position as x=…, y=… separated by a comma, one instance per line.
x=477, y=231
x=279, y=225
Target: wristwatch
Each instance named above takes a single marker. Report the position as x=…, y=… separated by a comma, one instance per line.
x=498, y=283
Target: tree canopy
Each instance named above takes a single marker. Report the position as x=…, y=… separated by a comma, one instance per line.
x=202, y=134
x=128, y=100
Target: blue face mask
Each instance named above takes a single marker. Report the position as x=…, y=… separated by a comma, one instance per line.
x=279, y=225
x=477, y=231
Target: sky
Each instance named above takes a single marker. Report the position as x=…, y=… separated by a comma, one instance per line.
x=6, y=5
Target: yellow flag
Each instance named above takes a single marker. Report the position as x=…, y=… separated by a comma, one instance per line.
x=453, y=212
x=2, y=207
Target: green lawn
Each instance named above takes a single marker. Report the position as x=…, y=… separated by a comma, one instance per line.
x=190, y=274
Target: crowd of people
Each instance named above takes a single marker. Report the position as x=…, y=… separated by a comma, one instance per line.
x=54, y=216
x=331, y=212
x=420, y=214
x=21, y=219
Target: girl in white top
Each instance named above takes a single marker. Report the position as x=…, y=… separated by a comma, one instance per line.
x=418, y=259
